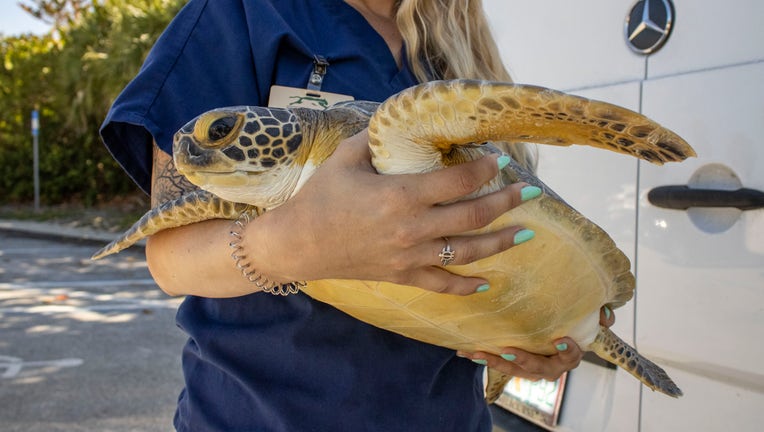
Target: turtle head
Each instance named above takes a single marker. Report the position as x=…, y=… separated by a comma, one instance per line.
x=241, y=154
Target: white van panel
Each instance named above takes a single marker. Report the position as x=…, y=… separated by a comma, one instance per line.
x=700, y=294
x=710, y=34
x=564, y=44
x=700, y=302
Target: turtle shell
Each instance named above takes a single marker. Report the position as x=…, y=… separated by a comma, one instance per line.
x=547, y=288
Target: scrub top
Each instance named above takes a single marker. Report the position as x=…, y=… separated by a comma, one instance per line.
x=270, y=363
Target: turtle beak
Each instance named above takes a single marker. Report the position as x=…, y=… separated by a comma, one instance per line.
x=189, y=158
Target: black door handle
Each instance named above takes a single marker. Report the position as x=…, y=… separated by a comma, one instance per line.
x=683, y=197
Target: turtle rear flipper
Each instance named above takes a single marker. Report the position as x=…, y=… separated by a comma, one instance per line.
x=613, y=349
x=495, y=384
x=193, y=207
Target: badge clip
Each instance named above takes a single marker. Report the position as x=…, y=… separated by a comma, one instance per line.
x=319, y=72
x=312, y=97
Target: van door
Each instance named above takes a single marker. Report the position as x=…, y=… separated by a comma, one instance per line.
x=700, y=271
x=699, y=306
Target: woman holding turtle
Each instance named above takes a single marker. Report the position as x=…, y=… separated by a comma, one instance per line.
x=255, y=361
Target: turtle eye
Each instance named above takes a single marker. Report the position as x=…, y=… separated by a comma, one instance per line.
x=221, y=127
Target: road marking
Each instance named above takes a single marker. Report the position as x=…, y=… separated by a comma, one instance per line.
x=14, y=365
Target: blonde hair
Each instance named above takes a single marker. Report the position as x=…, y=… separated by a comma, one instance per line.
x=451, y=39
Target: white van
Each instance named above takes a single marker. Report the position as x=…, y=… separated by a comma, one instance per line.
x=699, y=304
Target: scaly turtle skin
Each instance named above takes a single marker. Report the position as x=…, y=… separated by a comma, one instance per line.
x=253, y=159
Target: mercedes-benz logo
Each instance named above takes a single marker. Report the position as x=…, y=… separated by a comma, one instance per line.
x=648, y=25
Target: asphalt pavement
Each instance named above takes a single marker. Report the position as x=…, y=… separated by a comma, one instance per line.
x=84, y=345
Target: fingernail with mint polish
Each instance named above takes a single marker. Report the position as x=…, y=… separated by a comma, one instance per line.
x=480, y=361
x=523, y=236
x=503, y=161
x=607, y=312
x=482, y=288
x=509, y=357
x=529, y=192
x=562, y=346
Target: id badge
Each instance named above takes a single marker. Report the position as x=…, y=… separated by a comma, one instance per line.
x=290, y=97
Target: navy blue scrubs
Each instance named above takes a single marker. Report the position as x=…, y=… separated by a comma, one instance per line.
x=271, y=363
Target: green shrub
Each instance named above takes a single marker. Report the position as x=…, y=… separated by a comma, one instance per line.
x=72, y=75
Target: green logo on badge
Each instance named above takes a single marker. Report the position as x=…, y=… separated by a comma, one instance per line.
x=309, y=101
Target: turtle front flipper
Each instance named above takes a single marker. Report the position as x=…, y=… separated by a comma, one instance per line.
x=439, y=114
x=193, y=207
x=613, y=349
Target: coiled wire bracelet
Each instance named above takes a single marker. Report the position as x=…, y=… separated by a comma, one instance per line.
x=250, y=273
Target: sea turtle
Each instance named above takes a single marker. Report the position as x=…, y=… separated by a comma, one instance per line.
x=252, y=159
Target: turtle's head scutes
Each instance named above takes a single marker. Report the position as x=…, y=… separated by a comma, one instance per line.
x=241, y=154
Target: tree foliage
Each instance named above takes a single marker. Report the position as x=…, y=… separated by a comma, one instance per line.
x=72, y=75
x=59, y=13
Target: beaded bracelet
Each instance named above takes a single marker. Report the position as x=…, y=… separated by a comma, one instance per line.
x=250, y=273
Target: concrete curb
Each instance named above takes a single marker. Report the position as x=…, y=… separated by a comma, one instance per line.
x=45, y=229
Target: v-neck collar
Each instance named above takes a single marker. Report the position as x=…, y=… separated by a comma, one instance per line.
x=373, y=41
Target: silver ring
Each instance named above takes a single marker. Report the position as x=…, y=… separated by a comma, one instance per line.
x=447, y=255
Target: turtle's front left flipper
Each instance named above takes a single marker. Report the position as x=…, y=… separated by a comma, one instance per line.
x=193, y=207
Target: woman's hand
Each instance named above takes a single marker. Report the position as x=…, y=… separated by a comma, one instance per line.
x=348, y=222
x=519, y=363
